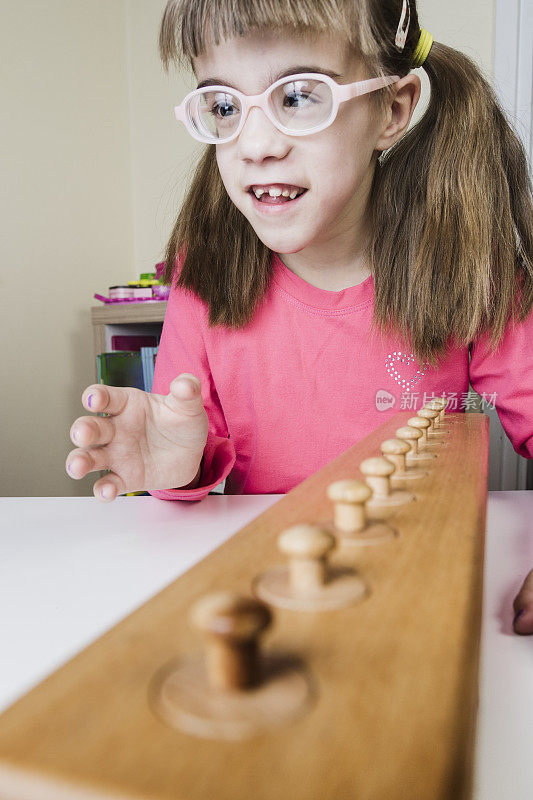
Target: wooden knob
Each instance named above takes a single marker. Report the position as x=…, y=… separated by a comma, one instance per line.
x=349, y=498
x=428, y=413
x=231, y=625
x=377, y=472
x=307, y=547
x=411, y=436
x=444, y=404
x=421, y=424
x=395, y=450
x=438, y=406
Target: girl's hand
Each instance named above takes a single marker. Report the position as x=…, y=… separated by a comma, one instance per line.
x=148, y=441
x=523, y=607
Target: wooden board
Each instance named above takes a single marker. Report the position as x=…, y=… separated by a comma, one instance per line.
x=395, y=675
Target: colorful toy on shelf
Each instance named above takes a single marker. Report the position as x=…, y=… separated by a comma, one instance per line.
x=148, y=289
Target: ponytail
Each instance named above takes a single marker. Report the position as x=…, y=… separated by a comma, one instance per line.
x=452, y=217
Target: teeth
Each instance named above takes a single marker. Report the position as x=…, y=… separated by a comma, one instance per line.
x=275, y=192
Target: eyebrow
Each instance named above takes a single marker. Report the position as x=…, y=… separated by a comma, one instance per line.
x=291, y=71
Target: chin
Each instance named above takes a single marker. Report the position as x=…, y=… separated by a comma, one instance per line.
x=284, y=242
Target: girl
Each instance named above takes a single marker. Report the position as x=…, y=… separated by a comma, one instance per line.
x=328, y=266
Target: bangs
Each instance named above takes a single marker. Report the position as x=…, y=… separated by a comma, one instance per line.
x=188, y=27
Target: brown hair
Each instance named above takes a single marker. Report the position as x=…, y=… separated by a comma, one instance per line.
x=451, y=245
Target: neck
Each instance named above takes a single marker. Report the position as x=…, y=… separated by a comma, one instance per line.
x=335, y=264
x=326, y=275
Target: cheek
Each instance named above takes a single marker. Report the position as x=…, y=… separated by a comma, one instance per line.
x=227, y=168
x=338, y=169
x=354, y=133
x=349, y=151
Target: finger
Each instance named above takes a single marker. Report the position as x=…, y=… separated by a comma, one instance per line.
x=109, y=487
x=92, y=431
x=523, y=607
x=185, y=395
x=100, y=398
x=80, y=462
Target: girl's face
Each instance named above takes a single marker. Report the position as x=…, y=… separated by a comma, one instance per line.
x=335, y=165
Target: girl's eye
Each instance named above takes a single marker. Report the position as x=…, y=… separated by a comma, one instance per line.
x=225, y=110
x=300, y=98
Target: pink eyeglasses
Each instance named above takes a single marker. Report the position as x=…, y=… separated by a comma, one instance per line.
x=299, y=105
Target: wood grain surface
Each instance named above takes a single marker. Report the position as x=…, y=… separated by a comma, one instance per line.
x=395, y=675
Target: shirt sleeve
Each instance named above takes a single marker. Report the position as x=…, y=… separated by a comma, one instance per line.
x=505, y=379
x=182, y=349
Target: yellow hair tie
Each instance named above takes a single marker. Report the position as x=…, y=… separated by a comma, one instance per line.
x=423, y=47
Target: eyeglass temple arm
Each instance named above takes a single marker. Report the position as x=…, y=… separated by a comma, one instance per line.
x=346, y=92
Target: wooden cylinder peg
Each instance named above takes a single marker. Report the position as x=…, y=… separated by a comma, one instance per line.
x=395, y=451
x=233, y=691
x=377, y=472
x=422, y=424
x=411, y=436
x=431, y=415
x=231, y=626
x=349, y=498
x=350, y=524
x=307, y=547
x=439, y=406
x=444, y=404
x=308, y=582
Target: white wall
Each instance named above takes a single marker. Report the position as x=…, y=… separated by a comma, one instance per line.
x=66, y=220
x=162, y=151
x=93, y=171
x=467, y=26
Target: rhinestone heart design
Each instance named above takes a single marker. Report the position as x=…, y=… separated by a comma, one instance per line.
x=404, y=358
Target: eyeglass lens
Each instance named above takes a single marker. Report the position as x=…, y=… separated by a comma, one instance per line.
x=297, y=105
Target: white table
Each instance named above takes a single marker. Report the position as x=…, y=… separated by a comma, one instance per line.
x=71, y=568
x=504, y=767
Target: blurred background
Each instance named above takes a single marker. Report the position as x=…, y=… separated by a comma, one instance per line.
x=94, y=168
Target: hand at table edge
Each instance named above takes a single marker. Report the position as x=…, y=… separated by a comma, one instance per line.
x=523, y=607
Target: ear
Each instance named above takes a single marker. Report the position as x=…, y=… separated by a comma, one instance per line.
x=399, y=113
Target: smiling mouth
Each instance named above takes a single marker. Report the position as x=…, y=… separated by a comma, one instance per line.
x=277, y=196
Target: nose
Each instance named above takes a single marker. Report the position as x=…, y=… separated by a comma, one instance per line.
x=259, y=137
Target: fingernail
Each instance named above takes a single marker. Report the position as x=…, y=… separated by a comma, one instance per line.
x=69, y=469
x=519, y=614
x=89, y=400
x=106, y=492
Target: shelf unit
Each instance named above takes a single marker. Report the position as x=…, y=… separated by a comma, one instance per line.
x=124, y=318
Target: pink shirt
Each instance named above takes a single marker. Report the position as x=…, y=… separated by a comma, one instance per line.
x=306, y=379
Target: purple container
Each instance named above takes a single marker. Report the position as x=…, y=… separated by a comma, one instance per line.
x=161, y=292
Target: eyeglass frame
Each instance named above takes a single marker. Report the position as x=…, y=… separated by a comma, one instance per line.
x=340, y=92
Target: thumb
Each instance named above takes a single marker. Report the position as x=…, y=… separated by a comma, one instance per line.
x=523, y=607
x=185, y=395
